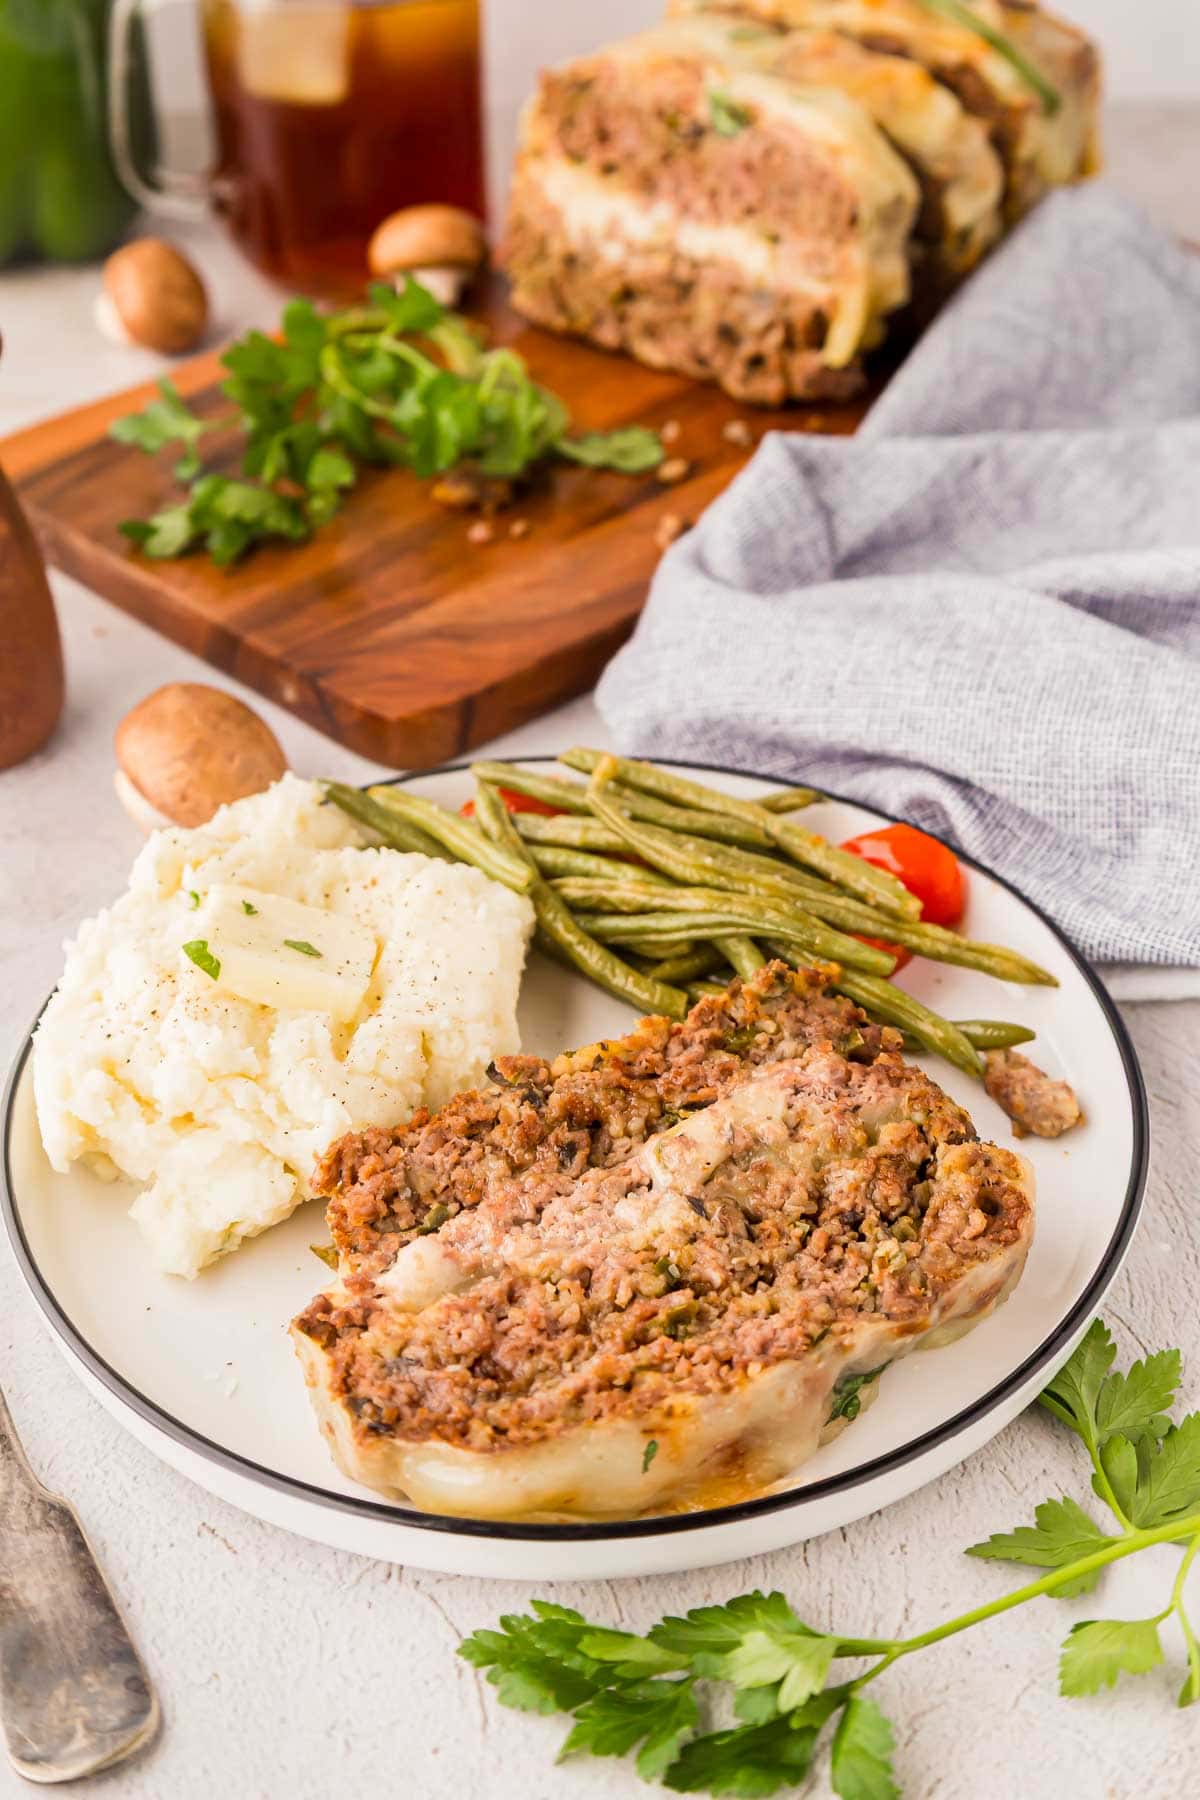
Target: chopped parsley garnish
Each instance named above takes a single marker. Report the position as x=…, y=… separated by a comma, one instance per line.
x=247, y=908
x=193, y=899
x=398, y=380
x=727, y=115
x=197, y=951
x=649, y=1454
x=302, y=945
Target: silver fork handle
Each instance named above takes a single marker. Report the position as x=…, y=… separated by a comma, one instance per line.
x=74, y=1695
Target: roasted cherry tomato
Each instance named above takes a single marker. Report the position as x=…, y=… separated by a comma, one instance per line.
x=516, y=803
x=901, y=955
x=927, y=868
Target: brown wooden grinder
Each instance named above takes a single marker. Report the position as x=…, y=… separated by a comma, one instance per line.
x=31, y=667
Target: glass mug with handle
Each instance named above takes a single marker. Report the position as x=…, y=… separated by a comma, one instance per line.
x=329, y=115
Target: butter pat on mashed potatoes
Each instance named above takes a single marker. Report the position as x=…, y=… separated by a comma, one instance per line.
x=265, y=985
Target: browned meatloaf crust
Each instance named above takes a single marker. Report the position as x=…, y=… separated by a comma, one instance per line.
x=663, y=1217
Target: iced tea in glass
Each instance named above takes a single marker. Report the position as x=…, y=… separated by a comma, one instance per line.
x=331, y=114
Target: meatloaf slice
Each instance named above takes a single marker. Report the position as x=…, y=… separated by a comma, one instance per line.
x=1040, y=148
x=755, y=1208
x=708, y=217
x=949, y=150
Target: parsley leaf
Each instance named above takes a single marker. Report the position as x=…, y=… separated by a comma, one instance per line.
x=1063, y=1533
x=752, y=1760
x=1135, y=1404
x=754, y=1641
x=649, y=1454
x=726, y=115
x=1119, y=1462
x=197, y=951
x=167, y=420
x=167, y=533
x=1169, y=1481
x=1073, y=1393
x=861, y=1763
x=1189, y=1693
x=1097, y=1651
x=630, y=1654
x=302, y=945
x=534, y=1663
x=632, y=450
x=248, y=908
x=659, y=1715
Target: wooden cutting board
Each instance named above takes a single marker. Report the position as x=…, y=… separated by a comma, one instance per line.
x=392, y=631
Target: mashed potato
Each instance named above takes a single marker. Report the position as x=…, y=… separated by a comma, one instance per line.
x=219, y=1105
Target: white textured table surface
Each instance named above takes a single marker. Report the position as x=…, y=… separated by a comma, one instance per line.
x=289, y=1670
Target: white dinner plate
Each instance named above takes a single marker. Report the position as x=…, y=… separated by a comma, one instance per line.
x=203, y=1372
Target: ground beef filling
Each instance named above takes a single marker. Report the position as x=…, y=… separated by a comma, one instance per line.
x=764, y=346
x=590, y=1108
x=665, y=146
x=726, y=1207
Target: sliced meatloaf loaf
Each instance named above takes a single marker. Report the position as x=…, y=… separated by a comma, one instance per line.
x=1040, y=147
x=672, y=201
x=701, y=1237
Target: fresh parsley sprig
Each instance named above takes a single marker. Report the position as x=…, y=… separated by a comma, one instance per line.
x=649, y=1694
x=399, y=380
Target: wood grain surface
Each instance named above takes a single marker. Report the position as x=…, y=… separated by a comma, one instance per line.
x=390, y=630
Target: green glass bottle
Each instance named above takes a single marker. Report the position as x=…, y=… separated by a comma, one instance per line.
x=60, y=199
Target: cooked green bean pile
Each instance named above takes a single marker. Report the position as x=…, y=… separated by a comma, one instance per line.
x=660, y=889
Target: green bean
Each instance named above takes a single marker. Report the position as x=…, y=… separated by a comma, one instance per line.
x=396, y=834
x=569, y=833
x=896, y=1007
x=552, y=790
x=985, y=1034
x=690, y=966
x=742, y=954
x=551, y=860
x=462, y=836
x=726, y=912
x=737, y=864
x=682, y=818
x=994, y=1034
x=556, y=923
x=785, y=800
x=703, y=990
x=719, y=865
x=712, y=918
x=657, y=946
x=805, y=847
x=932, y=941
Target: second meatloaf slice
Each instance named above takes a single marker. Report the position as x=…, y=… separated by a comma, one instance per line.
x=709, y=218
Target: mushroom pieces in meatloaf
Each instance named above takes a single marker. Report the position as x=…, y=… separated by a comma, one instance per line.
x=690, y=1235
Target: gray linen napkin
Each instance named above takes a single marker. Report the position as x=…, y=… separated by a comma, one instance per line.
x=981, y=613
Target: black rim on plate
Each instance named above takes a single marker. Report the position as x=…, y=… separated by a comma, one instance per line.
x=1052, y=1347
